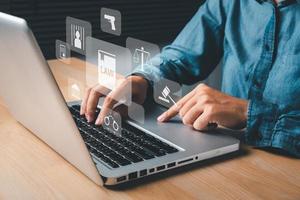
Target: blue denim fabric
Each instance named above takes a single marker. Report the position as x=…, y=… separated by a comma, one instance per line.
x=260, y=46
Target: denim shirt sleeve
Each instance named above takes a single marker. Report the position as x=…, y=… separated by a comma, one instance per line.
x=270, y=126
x=195, y=52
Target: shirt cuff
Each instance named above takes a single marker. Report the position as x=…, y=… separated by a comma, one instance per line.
x=268, y=127
x=151, y=72
x=262, y=117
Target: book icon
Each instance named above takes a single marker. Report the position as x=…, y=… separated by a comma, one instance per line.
x=106, y=69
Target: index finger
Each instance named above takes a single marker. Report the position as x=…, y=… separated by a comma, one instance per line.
x=174, y=110
x=170, y=113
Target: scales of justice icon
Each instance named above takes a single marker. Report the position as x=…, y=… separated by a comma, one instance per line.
x=141, y=57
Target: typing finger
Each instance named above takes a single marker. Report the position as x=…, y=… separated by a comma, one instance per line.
x=107, y=106
x=92, y=102
x=122, y=93
x=84, y=101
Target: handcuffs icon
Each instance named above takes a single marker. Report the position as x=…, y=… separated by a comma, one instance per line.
x=109, y=120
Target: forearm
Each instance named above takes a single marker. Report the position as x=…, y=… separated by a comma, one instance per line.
x=195, y=52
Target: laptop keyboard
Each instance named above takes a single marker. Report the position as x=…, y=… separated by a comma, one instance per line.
x=132, y=146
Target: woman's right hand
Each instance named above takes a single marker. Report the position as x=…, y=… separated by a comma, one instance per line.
x=138, y=88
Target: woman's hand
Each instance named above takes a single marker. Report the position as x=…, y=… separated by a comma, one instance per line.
x=205, y=105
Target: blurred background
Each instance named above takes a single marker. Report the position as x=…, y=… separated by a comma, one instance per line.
x=156, y=21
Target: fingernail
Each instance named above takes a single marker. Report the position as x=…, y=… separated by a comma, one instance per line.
x=98, y=121
x=89, y=118
x=81, y=110
x=161, y=118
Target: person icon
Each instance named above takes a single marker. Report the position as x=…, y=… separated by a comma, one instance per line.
x=77, y=40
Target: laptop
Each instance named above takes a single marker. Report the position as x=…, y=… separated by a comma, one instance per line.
x=31, y=94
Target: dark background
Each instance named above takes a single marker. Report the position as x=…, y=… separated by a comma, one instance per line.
x=157, y=21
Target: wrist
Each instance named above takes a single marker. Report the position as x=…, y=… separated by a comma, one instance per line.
x=142, y=82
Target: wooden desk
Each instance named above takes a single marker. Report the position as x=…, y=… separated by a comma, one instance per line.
x=29, y=169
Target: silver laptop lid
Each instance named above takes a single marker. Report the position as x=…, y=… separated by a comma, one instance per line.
x=32, y=96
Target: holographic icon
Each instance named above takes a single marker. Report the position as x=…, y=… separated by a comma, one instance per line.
x=106, y=69
x=141, y=57
x=76, y=32
x=75, y=91
x=142, y=52
x=110, y=21
x=113, y=123
x=167, y=92
x=62, y=51
x=110, y=121
x=166, y=96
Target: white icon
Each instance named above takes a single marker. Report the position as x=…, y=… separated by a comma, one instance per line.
x=62, y=51
x=141, y=57
x=106, y=69
x=111, y=19
x=109, y=121
x=77, y=41
x=166, y=94
x=77, y=35
x=75, y=91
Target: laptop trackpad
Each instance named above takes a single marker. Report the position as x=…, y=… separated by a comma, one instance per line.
x=181, y=135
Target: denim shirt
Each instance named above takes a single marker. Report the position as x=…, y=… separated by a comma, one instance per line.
x=258, y=45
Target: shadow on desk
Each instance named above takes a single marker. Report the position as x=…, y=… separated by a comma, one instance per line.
x=184, y=169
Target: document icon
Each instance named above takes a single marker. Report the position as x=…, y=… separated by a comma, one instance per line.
x=106, y=69
x=75, y=91
x=62, y=51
